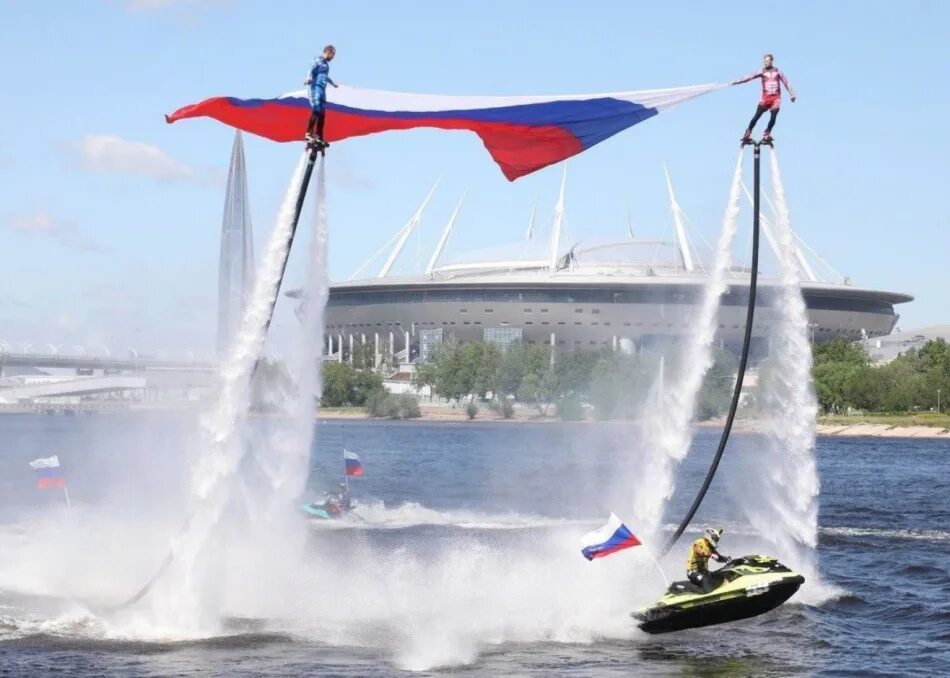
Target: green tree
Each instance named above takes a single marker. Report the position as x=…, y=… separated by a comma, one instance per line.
x=933, y=362
x=715, y=394
x=574, y=370
x=344, y=385
x=393, y=406
x=835, y=384
x=569, y=408
x=338, y=383
x=365, y=383
x=470, y=360
x=426, y=375
x=512, y=371
x=488, y=370
x=840, y=350
x=619, y=383
x=840, y=375
x=867, y=390
x=935, y=355
x=449, y=380
x=539, y=385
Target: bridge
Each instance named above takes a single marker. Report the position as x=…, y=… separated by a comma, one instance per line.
x=75, y=386
x=133, y=364
x=134, y=376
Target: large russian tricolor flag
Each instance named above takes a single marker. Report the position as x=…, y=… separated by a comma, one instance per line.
x=612, y=537
x=522, y=133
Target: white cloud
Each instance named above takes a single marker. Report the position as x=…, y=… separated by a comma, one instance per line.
x=41, y=223
x=115, y=155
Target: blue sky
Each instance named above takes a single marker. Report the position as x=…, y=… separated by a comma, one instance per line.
x=109, y=217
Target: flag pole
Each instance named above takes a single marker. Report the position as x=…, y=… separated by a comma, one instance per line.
x=346, y=478
x=69, y=506
x=656, y=562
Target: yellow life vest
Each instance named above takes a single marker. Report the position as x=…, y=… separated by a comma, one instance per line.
x=699, y=554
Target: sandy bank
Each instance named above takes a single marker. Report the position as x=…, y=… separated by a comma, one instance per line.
x=522, y=415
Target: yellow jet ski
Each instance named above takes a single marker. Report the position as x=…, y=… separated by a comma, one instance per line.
x=748, y=586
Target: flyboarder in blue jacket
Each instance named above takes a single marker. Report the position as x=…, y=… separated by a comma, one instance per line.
x=317, y=84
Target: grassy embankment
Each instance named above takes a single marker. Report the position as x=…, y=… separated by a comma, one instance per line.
x=906, y=419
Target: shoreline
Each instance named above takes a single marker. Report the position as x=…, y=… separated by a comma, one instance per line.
x=861, y=427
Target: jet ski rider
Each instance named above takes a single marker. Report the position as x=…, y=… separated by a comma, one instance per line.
x=339, y=502
x=704, y=548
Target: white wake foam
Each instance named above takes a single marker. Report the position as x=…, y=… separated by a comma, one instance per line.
x=377, y=515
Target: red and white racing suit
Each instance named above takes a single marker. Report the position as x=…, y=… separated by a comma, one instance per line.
x=772, y=81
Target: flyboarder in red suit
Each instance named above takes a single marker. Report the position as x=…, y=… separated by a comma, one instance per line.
x=772, y=81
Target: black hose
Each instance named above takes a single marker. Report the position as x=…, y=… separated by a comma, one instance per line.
x=270, y=315
x=290, y=241
x=743, y=360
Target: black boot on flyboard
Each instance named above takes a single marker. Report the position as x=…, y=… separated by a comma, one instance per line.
x=315, y=143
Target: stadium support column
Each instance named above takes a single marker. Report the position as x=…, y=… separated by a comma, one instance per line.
x=392, y=345
x=615, y=343
x=351, y=348
x=376, y=350
x=553, y=346
x=339, y=345
x=405, y=335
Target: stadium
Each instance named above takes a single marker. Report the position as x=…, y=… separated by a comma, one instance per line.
x=628, y=294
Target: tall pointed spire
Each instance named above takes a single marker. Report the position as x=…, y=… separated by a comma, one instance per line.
x=236, y=266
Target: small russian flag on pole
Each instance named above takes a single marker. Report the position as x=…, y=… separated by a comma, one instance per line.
x=352, y=464
x=49, y=475
x=612, y=537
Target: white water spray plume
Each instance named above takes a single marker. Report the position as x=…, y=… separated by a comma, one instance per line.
x=666, y=429
x=292, y=453
x=780, y=495
x=275, y=539
x=191, y=594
